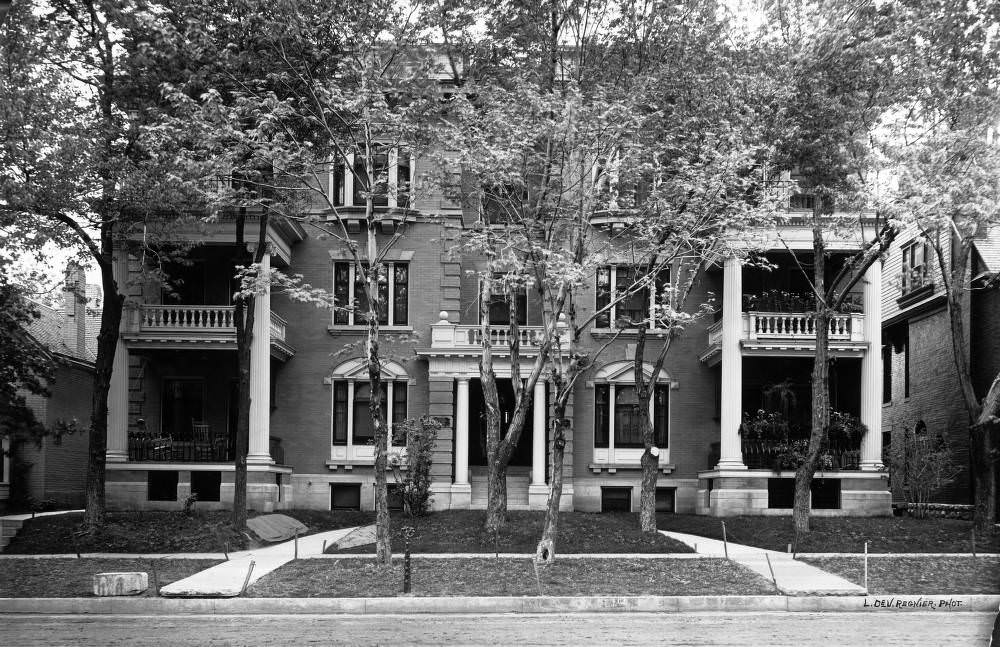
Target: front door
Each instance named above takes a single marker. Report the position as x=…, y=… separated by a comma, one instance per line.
x=477, y=424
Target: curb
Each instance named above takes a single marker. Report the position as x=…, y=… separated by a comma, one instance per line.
x=499, y=605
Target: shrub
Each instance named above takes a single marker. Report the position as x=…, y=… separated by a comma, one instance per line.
x=920, y=465
x=415, y=483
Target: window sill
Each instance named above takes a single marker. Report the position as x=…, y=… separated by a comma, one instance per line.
x=346, y=329
x=611, y=468
x=626, y=332
x=913, y=296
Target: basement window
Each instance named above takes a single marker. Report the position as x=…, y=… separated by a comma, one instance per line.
x=345, y=496
x=206, y=485
x=666, y=498
x=616, y=499
x=161, y=485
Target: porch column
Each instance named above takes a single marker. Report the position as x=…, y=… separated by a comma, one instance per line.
x=260, y=372
x=730, y=451
x=117, y=435
x=871, y=370
x=538, y=435
x=462, y=433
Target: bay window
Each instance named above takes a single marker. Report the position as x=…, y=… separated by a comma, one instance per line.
x=915, y=266
x=351, y=298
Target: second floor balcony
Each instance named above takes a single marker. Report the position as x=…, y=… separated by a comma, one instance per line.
x=788, y=333
x=466, y=339
x=184, y=326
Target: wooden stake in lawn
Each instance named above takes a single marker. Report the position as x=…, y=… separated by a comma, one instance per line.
x=973, y=542
x=156, y=578
x=725, y=544
x=866, y=567
x=296, y=544
x=771, y=568
x=246, y=582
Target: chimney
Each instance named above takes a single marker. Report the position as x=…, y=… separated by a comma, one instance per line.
x=75, y=309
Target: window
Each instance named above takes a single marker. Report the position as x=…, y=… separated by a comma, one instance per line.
x=501, y=203
x=500, y=305
x=394, y=497
x=666, y=499
x=393, y=293
x=161, y=485
x=350, y=411
x=825, y=494
x=618, y=422
x=183, y=402
x=886, y=373
x=780, y=493
x=206, y=485
x=616, y=499
x=345, y=496
x=915, y=261
x=906, y=364
x=802, y=201
x=633, y=309
x=392, y=175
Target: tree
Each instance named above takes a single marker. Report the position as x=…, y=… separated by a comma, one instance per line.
x=339, y=93
x=79, y=166
x=920, y=464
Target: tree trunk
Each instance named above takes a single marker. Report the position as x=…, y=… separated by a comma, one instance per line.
x=982, y=445
x=545, y=552
x=820, y=388
x=107, y=345
x=649, y=463
x=383, y=546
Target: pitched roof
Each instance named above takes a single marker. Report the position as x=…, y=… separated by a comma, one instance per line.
x=989, y=249
x=48, y=331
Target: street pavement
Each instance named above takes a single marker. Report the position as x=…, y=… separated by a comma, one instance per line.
x=886, y=629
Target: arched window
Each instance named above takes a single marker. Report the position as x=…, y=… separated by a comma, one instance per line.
x=352, y=428
x=617, y=414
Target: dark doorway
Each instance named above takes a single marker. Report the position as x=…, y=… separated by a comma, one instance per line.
x=183, y=402
x=477, y=424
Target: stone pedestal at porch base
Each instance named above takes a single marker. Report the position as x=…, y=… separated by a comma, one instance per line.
x=733, y=493
x=538, y=497
x=461, y=497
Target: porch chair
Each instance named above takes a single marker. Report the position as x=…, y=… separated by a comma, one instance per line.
x=201, y=436
x=161, y=448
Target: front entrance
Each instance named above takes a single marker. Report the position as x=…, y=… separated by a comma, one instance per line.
x=477, y=424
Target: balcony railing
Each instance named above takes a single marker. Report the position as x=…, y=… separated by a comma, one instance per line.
x=770, y=455
x=446, y=335
x=198, y=319
x=146, y=447
x=790, y=326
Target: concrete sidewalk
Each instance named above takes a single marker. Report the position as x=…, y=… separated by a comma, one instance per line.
x=790, y=576
x=229, y=578
x=10, y=524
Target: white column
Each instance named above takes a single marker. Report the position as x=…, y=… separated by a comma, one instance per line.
x=462, y=433
x=117, y=435
x=871, y=370
x=731, y=453
x=260, y=372
x=538, y=435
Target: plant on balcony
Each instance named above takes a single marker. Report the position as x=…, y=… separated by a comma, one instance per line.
x=845, y=431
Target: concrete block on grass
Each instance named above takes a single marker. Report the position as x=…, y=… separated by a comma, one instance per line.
x=112, y=584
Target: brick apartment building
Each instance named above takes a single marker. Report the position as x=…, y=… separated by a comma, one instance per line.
x=55, y=469
x=172, y=403
x=921, y=390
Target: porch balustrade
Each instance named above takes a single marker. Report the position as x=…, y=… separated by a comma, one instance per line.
x=775, y=455
x=783, y=325
x=447, y=335
x=198, y=318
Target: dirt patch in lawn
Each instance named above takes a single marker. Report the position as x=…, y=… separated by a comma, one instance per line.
x=149, y=531
x=510, y=577
x=839, y=534
x=72, y=578
x=461, y=531
x=918, y=575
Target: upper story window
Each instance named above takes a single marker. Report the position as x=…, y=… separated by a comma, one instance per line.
x=391, y=180
x=500, y=302
x=393, y=293
x=802, y=202
x=501, y=203
x=637, y=307
x=915, y=266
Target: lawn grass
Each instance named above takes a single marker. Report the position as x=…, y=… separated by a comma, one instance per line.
x=72, y=578
x=511, y=577
x=150, y=531
x=838, y=534
x=461, y=531
x=918, y=575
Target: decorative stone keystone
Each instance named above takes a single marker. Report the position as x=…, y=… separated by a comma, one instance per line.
x=107, y=584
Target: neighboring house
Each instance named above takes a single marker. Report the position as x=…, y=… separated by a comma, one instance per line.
x=54, y=470
x=921, y=391
x=172, y=402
